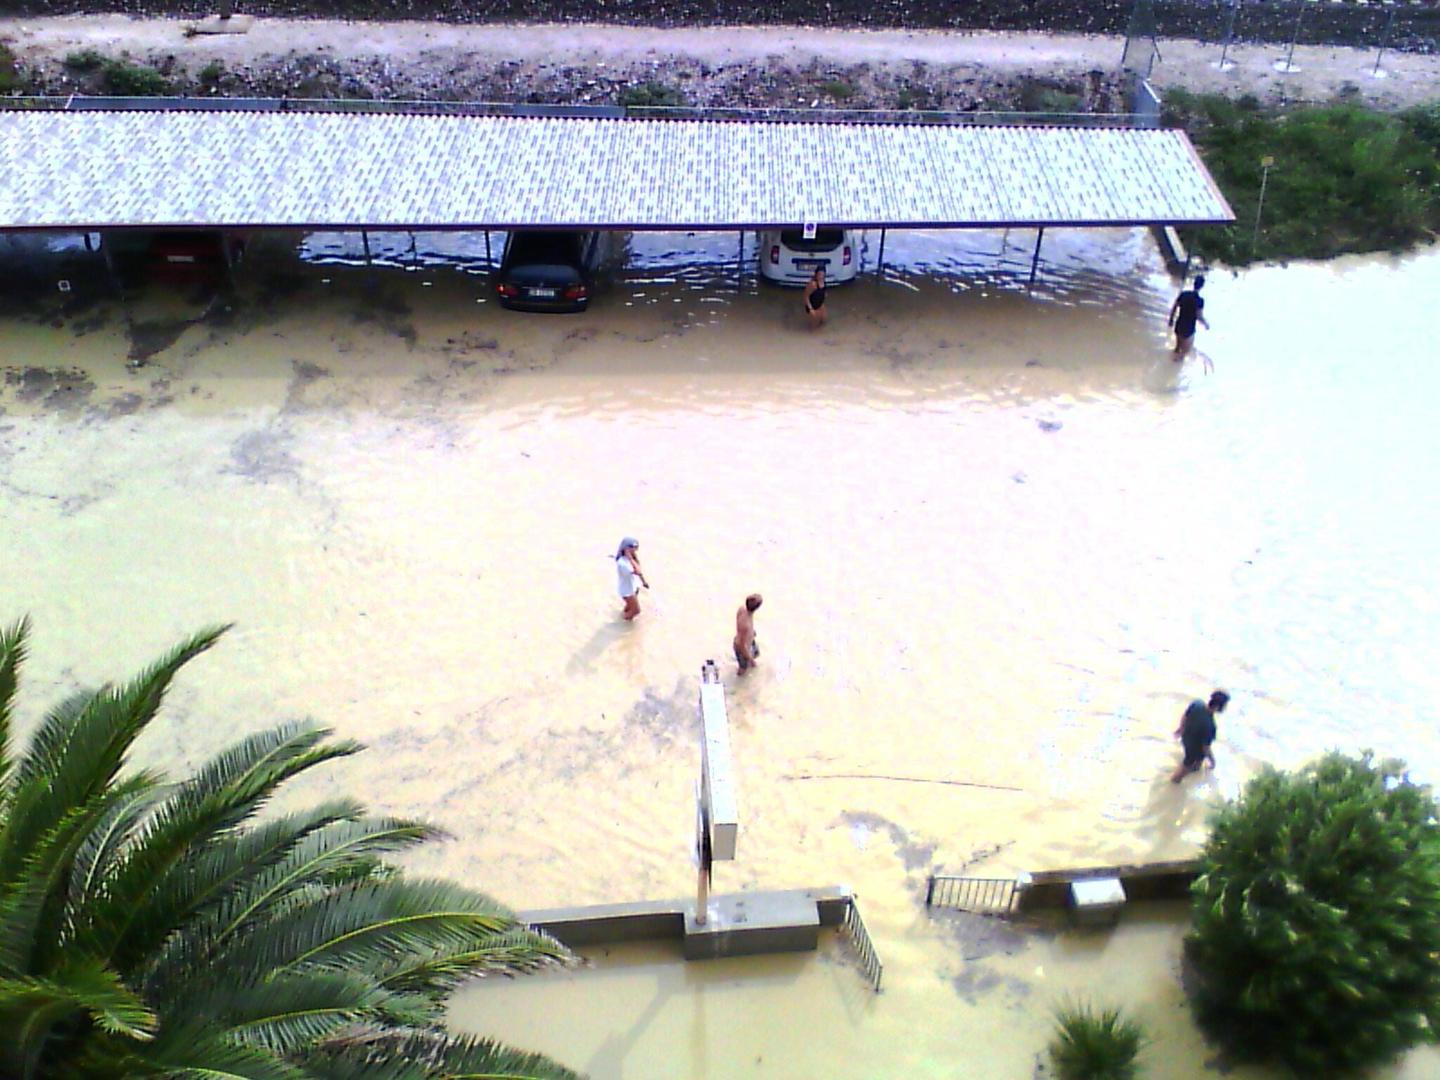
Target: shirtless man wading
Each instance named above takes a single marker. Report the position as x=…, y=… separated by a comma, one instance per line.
x=747, y=651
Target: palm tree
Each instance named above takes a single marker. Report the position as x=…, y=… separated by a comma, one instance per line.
x=164, y=929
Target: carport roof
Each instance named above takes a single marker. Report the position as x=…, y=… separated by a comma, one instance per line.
x=320, y=170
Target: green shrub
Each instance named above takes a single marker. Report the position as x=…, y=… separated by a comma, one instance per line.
x=9, y=71
x=837, y=90
x=651, y=95
x=1344, y=179
x=84, y=60
x=125, y=79
x=1044, y=97
x=1423, y=122
x=212, y=73
x=1091, y=1045
x=1316, y=936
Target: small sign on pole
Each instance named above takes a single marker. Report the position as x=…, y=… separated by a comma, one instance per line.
x=811, y=228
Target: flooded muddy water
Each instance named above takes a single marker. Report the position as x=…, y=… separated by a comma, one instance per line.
x=1002, y=540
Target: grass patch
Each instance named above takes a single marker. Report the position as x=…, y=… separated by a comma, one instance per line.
x=837, y=90
x=1344, y=179
x=83, y=61
x=1095, y=1045
x=652, y=95
x=1043, y=96
x=124, y=79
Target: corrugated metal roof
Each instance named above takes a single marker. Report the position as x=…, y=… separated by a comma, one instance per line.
x=326, y=170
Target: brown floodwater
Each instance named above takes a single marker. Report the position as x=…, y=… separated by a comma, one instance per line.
x=1002, y=539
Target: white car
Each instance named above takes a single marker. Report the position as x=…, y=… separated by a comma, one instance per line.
x=788, y=258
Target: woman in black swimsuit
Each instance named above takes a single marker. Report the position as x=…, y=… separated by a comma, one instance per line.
x=815, y=300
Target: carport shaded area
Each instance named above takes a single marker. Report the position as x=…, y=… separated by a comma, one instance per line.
x=272, y=168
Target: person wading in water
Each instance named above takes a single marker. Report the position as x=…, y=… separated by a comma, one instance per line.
x=747, y=650
x=1189, y=307
x=627, y=570
x=1197, y=734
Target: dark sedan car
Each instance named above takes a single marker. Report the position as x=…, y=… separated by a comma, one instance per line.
x=549, y=269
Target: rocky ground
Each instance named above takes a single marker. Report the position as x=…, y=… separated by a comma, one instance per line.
x=745, y=67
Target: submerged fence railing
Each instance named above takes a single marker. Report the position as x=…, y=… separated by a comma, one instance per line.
x=982, y=896
x=859, y=938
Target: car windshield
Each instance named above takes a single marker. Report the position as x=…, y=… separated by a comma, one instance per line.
x=825, y=239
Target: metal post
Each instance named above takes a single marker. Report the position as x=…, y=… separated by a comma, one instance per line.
x=880, y=267
x=365, y=239
x=702, y=895
x=489, y=260
x=1265, y=164
x=1035, y=261
x=1289, y=65
x=1225, y=64
x=1384, y=39
x=110, y=271
x=740, y=264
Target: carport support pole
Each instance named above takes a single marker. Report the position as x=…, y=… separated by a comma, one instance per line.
x=740, y=264
x=489, y=260
x=365, y=239
x=110, y=271
x=1035, y=262
x=880, y=264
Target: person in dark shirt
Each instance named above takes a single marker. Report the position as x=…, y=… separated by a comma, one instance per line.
x=1197, y=734
x=1188, y=309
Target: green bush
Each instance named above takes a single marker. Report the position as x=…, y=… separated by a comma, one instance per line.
x=1316, y=936
x=837, y=90
x=9, y=71
x=1344, y=178
x=125, y=79
x=212, y=73
x=651, y=95
x=1091, y=1045
x=1423, y=122
x=84, y=60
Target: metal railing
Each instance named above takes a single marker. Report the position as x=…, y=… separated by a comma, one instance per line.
x=982, y=896
x=859, y=938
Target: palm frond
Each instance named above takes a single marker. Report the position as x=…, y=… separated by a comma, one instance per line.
x=368, y=923
x=439, y=970
x=33, y=1009
x=107, y=838
x=191, y=818
x=303, y=871
x=80, y=749
x=34, y=904
x=13, y=650
x=257, y=754
x=443, y=1057
x=196, y=1053
x=285, y=1015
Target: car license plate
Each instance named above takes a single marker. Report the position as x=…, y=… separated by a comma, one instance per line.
x=544, y=293
x=812, y=264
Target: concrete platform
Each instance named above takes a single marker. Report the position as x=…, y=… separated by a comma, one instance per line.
x=738, y=924
x=748, y=924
